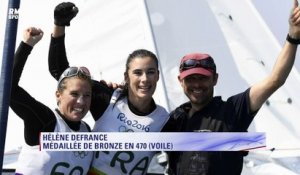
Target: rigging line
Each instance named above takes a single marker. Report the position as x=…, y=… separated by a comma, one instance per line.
x=156, y=50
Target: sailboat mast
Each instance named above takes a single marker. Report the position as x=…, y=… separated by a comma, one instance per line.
x=6, y=69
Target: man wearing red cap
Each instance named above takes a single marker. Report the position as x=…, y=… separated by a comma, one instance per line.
x=203, y=112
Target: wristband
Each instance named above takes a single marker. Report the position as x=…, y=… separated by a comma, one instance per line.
x=292, y=40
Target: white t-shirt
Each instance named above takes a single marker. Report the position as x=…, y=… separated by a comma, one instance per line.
x=119, y=118
x=31, y=161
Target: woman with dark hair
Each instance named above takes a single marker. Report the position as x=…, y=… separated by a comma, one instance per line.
x=130, y=109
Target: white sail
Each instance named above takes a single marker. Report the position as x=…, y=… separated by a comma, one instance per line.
x=254, y=49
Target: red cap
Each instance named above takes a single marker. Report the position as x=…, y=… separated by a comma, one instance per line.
x=198, y=69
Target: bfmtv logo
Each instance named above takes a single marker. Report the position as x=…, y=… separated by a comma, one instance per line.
x=13, y=13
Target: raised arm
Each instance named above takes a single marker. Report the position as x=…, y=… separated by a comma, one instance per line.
x=36, y=116
x=261, y=91
x=57, y=58
x=31, y=36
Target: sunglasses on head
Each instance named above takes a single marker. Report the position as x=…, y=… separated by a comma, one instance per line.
x=74, y=71
x=207, y=63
